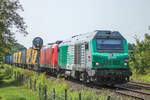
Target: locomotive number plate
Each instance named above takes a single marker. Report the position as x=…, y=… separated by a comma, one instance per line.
x=112, y=57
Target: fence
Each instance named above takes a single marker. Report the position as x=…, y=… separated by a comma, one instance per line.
x=43, y=92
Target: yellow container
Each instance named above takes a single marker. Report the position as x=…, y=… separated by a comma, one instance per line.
x=14, y=60
x=19, y=57
x=34, y=56
x=28, y=56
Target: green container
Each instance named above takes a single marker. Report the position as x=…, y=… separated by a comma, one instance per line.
x=62, y=56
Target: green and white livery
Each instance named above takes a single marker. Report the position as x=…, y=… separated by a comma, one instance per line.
x=100, y=56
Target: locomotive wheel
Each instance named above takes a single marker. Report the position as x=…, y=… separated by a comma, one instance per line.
x=87, y=79
x=82, y=78
x=77, y=75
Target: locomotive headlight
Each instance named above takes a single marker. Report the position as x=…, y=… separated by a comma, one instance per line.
x=97, y=63
x=125, y=64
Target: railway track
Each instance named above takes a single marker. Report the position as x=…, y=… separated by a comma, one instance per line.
x=140, y=84
x=131, y=96
x=123, y=91
x=133, y=93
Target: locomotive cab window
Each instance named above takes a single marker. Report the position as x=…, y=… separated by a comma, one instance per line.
x=109, y=45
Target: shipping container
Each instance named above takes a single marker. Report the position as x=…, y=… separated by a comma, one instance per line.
x=23, y=57
x=28, y=56
x=55, y=55
x=62, y=56
x=19, y=57
x=11, y=59
x=43, y=57
x=34, y=57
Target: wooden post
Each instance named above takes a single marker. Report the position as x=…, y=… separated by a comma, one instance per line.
x=22, y=77
x=15, y=75
x=65, y=94
x=30, y=83
x=11, y=71
x=80, y=96
x=40, y=91
x=35, y=85
x=54, y=93
x=108, y=98
x=45, y=92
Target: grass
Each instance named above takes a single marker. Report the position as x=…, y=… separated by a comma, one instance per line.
x=141, y=77
x=11, y=89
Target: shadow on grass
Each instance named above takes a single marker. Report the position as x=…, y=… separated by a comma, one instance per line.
x=14, y=98
x=6, y=81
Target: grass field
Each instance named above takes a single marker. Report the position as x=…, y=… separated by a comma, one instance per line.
x=141, y=78
x=11, y=89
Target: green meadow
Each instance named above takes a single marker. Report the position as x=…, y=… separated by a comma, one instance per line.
x=11, y=89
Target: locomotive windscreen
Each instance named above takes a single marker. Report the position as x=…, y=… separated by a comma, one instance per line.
x=108, y=34
x=109, y=44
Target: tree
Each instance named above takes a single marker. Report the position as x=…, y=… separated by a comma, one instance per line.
x=131, y=46
x=10, y=23
x=17, y=47
x=140, y=59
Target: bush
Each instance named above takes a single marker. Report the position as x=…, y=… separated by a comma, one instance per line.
x=139, y=57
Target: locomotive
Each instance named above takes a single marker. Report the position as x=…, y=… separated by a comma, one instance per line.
x=100, y=57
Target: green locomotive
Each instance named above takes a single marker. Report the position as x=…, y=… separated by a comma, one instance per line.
x=100, y=57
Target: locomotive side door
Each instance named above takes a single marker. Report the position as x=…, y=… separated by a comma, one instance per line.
x=81, y=56
x=87, y=56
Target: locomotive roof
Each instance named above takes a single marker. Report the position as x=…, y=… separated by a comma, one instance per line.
x=81, y=38
x=111, y=34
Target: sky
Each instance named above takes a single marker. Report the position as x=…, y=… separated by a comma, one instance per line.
x=54, y=20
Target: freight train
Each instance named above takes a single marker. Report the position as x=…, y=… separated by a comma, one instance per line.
x=100, y=57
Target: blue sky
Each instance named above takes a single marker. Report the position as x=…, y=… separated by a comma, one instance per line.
x=60, y=19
